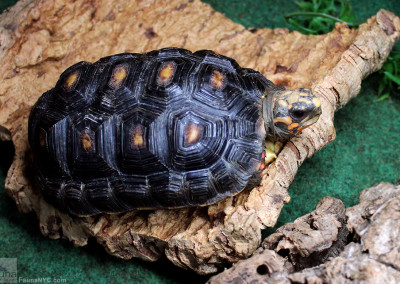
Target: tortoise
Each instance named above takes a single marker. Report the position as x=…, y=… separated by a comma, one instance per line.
x=165, y=129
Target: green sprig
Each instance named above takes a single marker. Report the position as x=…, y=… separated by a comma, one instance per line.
x=320, y=16
x=389, y=76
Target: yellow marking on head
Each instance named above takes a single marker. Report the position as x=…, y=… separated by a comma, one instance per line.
x=138, y=140
x=192, y=133
x=316, y=102
x=283, y=103
x=286, y=120
x=166, y=73
x=292, y=98
x=307, y=101
x=71, y=80
x=119, y=74
x=217, y=79
x=293, y=125
x=86, y=141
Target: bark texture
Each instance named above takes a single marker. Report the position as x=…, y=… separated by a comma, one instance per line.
x=39, y=39
x=370, y=254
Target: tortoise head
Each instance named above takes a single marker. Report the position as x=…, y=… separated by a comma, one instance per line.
x=288, y=112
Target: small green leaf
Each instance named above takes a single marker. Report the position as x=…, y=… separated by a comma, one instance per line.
x=383, y=97
x=388, y=67
x=316, y=5
x=392, y=77
x=307, y=6
x=389, y=75
x=300, y=28
x=346, y=11
x=330, y=8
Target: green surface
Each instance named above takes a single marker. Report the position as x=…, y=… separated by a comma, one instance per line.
x=366, y=151
x=5, y=4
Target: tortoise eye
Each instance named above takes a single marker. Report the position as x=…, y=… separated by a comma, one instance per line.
x=298, y=113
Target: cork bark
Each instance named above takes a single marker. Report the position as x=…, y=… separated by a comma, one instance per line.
x=39, y=39
x=331, y=245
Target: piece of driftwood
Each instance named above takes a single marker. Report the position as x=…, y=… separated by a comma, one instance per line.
x=39, y=39
x=297, y=252
x=313, y=238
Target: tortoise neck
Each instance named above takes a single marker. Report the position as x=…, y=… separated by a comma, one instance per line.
x=268, y=114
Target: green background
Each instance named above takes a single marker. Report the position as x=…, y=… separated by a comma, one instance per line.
x=366, y=151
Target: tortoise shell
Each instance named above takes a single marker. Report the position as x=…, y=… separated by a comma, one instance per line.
x=165, y=129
